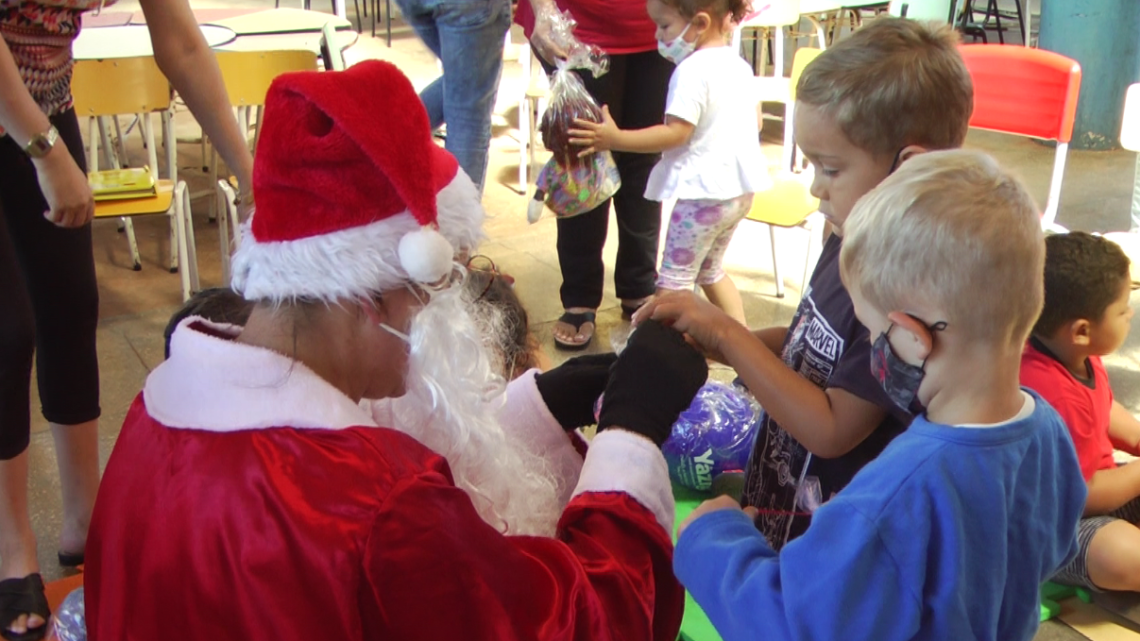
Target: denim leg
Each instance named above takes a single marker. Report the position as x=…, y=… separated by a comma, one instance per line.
x=418, y=13
x=471, y=34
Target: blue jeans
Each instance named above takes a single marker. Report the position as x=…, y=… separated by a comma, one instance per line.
x=467, y=35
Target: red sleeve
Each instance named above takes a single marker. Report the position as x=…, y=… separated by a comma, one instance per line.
x=435, y=570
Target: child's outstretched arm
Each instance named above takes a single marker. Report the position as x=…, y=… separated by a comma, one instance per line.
x=816, y=588
x=829, y=423
x=1124, y=429
x=600, y=136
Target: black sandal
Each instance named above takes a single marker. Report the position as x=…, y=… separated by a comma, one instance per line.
x=23, y=596
x=627, y=310
x=70, y=559
x=577, y=320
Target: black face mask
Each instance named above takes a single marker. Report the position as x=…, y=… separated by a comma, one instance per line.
x=900, y=380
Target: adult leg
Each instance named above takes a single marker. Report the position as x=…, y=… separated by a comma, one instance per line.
x=641, y=104
x=58, y=269
x=471, y=34
x=17, y=342
x=581, y=238
x=419, y=16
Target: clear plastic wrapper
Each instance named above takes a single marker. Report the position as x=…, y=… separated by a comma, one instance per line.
x=570, y=185
x=714, y=436
x=70, y=623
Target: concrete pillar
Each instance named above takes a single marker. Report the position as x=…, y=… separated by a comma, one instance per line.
x=1104, y=37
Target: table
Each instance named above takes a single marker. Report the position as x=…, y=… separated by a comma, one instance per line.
x=696, y=625
x=281, y=21
x=130, y=41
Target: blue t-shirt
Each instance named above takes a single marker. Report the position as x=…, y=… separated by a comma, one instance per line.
x=947, y=535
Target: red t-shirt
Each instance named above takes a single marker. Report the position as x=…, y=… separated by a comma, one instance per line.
x=617, y=26
x=1085, y=408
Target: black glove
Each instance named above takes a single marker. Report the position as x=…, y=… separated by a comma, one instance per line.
x=652, y=382
x=571, y=389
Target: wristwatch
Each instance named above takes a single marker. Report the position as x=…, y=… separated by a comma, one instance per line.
x=41, y=144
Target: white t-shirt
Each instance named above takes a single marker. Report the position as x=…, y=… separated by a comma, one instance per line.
x=715, y=90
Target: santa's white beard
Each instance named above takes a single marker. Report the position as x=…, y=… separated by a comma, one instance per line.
x=453, y=394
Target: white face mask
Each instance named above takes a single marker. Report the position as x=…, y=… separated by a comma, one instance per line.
x=677, y=49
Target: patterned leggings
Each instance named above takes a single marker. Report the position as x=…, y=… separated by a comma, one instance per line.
x=699, y=233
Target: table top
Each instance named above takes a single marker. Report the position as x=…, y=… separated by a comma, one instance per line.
x=281, y=21
x=129, y=41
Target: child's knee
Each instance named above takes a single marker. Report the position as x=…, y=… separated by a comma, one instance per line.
x=1114, y=557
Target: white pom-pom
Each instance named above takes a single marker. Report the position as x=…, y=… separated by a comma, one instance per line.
x=425, y=255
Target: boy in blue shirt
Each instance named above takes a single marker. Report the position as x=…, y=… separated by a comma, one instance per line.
x=891, y=90
x=949, y=533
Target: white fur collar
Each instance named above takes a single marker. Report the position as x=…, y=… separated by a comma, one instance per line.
x=219, y=385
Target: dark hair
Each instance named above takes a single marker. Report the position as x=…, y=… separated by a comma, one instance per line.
x=1083, y=276
x=218, y=304
x=893, y=83
x=519, y=344
x=717, y=9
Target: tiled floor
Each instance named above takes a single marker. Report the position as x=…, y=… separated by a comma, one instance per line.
x=134, y=306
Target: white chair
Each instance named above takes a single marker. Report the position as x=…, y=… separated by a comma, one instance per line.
x=1130, y=140
x=936, y=10
x=532, y=104
x=109, y=88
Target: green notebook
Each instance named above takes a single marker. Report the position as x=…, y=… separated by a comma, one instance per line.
x=122, y=184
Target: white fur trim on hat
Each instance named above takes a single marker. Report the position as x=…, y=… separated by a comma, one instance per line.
x=355, y=262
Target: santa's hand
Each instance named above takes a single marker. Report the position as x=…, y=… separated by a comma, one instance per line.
x=571, y=389
x=652, y=382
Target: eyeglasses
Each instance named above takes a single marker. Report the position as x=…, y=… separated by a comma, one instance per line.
x=483, y=264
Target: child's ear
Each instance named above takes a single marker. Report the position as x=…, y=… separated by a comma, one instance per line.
x=702, y=20
x=915, y=341
x=1080, y=332
x=910, y=151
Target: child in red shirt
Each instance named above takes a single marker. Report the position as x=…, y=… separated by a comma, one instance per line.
x=1087, y=315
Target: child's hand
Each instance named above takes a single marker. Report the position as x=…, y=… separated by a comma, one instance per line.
x=723, y=502
x=595, y=136
x=704, y=323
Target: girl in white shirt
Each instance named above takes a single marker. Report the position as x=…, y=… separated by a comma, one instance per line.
x=712, y=162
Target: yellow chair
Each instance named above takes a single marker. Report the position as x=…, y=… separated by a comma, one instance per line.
x=247, y=76
x=114, y=87
x=789, y=202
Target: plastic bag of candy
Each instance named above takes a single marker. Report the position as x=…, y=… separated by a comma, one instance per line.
x=69, y=622
x=570, y=185
x=712, y=437
x=571, y=191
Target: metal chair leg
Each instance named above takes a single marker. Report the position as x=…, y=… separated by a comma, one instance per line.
x=776, y=263
x=136, y=260
x=388, y=20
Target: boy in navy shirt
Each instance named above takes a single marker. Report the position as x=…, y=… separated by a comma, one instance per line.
x=949, y=533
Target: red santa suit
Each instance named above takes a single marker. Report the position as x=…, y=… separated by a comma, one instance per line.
x=248, y=498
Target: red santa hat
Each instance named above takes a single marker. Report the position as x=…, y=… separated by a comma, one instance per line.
x=353, y=196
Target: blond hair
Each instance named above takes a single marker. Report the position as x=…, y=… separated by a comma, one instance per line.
x=954, y=231
x=893, y=83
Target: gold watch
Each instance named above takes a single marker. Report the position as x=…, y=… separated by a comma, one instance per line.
x=41, y=144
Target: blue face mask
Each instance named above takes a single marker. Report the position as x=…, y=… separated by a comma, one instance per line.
x=900, y=379
x=677, y=49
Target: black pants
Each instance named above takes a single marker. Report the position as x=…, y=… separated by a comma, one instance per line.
x=635, y=90
x=49, y=302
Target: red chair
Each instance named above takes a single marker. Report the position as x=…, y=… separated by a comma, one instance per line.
x=1028, y=92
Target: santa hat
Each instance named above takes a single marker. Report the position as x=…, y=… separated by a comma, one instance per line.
x=353, y=196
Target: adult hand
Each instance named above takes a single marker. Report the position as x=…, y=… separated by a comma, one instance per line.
x=70, y=201
x=542, y=39
x=595, y=136
x=723, y=502
x=701, y=321
x=571, y=389
x=652, y=382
